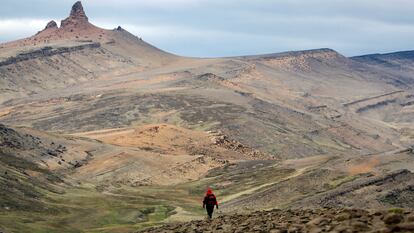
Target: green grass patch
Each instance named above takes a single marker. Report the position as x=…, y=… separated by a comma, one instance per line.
x=83, y=209
x=340, y=181
x=396, y=210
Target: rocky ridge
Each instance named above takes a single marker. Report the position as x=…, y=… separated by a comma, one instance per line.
x=46, y=52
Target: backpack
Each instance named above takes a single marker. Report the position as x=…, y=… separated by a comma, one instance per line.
x=211, y=200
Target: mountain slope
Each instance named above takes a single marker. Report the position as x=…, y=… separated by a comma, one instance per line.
x=264, y=104
x=400, y=65
x=74, y=53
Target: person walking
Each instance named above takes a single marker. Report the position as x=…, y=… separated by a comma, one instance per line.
x=209, y=202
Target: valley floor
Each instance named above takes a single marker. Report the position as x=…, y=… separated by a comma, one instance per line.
x=241, y=188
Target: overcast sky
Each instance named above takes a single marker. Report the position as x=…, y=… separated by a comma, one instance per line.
x=208, y=28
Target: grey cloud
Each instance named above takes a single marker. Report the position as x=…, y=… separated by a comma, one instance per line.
x=237, y=27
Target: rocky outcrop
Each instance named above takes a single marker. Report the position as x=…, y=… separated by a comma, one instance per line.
x=77, y=16
x=51, y=25
x=10, y=138
x=222, y=140
x=376, y=105
x=46, y=52
x=300, y=61
x=210, y=77
x=78, y=12
x=372, y=98
x=409, y=103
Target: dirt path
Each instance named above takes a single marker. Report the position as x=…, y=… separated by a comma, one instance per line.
x=306, y=164
x=253, y=190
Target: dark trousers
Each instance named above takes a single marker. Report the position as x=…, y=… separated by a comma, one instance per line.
x=210, y=209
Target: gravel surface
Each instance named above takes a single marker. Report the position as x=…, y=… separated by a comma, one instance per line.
x=320, y=220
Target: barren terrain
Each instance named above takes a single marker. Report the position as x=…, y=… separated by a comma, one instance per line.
x=102, y=132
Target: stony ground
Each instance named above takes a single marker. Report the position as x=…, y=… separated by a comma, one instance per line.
x=322, y=220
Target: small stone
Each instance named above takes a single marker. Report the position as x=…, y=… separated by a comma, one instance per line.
x=357, y=213
x=294, y=230
x=406, y=227
x=283, y=230
x=385, y=230
x=315, y=230
x=343, y=216
x=244, y=224
x=320, y=221
x=257, y=228
x=342, y=229
x=410, y=218
x=359, y=226
x=378, y=213
x=393, y=218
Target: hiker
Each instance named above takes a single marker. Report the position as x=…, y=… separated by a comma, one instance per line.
x=209, y=202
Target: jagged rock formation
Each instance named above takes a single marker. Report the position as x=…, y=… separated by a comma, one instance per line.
x=75, y=52
x=51, y=25
x=76, y=18
x=74, y=27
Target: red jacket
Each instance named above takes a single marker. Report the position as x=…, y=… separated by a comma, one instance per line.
x=210, y=199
